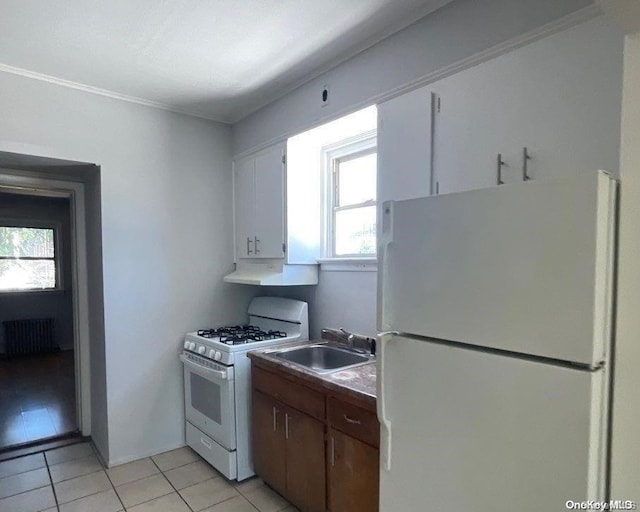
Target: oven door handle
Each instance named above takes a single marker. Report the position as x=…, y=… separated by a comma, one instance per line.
x=206, y=372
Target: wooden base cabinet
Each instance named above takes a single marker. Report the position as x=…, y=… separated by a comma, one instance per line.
x=317, y=450
x=289, y=452
x=306, y=480
x=353, y=475
x=269, y=441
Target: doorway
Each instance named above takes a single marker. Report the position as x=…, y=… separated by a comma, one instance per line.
x=37, y=363
x=77, y=183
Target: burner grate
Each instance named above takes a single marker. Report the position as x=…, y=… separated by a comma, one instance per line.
x=241, y=334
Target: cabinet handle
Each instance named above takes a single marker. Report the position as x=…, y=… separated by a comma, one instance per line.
x=286, y=426
x=275, y=424
x=501, y=164
x=333, y=451
x=351, y=420
x=255, y=244
x=525, y=159
x=249, y=246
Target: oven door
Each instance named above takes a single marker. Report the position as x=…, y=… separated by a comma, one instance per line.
x=209, y=399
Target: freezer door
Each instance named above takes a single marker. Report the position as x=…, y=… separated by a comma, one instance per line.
x=524, y=267
x=472, y=431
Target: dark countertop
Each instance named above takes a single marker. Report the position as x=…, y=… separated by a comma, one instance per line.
x=359, y=382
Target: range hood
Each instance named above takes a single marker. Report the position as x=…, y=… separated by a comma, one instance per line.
x=273, y=274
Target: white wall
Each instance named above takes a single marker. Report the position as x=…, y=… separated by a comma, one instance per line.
x=625, y=478
x=340, y=300
x=57, y=304
x=166, y=244
x=455, y=32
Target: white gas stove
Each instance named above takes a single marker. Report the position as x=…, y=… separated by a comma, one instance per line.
x=217, y=379
x=222, y=343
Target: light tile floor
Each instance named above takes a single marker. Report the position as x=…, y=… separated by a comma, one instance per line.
x=72, y=479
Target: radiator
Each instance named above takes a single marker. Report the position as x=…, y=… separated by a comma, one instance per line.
x=32, y=336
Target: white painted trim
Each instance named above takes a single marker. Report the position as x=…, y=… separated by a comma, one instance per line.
x=103, y=92
x=364, y=143
x=130, y=458
x=79, y=282
x=348, y=265
x=566, y=22
x=389, y=30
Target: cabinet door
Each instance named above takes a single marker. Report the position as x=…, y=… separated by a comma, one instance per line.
x=268, y=441
x=353, y=474
x=404, y=146
x=306, y=487
x=244, y=205
x=269, y=203
x=467, y=138
x=551, y=96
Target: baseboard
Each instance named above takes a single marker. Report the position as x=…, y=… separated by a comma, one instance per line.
x=156, y=451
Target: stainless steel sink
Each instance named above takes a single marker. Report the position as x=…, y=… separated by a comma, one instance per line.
x=323, y=358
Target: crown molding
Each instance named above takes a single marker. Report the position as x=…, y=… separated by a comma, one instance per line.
x=103, y=92
x=580, y=16
x=571, y=20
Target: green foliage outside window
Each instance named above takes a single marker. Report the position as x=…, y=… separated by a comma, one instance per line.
x=27, y=258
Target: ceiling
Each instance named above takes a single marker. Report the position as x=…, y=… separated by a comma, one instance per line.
x=219, y=59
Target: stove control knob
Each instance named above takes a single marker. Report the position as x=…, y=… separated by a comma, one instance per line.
x=201, y=350
x=217, y=355
x=211, y=354
x=192, y=346
x=186, y=345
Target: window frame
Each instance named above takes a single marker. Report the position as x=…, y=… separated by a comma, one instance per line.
x=344, y=150
x=57, y=252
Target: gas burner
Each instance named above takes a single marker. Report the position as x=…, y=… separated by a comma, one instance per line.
x=277, y=334
x=248, y=334
x=233, y=331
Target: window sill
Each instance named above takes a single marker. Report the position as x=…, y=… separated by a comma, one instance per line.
x=348, y=264
x=4, y=293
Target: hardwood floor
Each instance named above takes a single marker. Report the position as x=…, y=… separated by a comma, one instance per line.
x=37, y=398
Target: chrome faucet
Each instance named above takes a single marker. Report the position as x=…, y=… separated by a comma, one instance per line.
x=354, y=342
x=350, y=340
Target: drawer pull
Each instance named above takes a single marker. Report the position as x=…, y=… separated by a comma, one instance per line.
x=205, y=442
x=351, y=420
x=286, y=426
x=275, y=425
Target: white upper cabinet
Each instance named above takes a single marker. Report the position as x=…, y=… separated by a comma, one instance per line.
x=262, y=255
x=404, y=146
x=559, y=97
x=269, y=203
x=259, y=204
x=244, y=204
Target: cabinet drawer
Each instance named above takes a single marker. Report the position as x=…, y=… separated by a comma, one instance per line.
x=295, y=395
x=353, y=420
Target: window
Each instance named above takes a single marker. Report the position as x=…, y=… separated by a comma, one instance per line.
x=331, y=193
x=351, y=198
x=27, y=258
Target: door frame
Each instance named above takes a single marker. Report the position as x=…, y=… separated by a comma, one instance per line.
x=75, y=191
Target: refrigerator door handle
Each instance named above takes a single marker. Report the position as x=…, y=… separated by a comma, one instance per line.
x=384, y=339
x=386, y=237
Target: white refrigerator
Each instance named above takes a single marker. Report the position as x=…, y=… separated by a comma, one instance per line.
x=493, y=374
